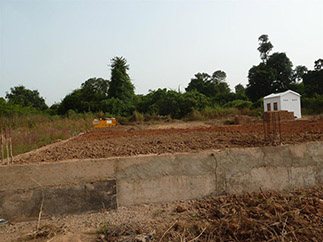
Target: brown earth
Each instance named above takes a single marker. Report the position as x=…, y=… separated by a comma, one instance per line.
x=134, y=140
x=262, y=216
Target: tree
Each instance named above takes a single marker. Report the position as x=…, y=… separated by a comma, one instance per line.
x=218, y=76
x=281, y=66
x=240, y=92
x=318, y=64
x=265, y=47
x=313, y=83
x=209, y=85
x=26, y=98
x=199, y=83
x=239, y=89
x=299, y=72
x=260, y=82
x=88, y=98
x=274, y=74
x=120, y=84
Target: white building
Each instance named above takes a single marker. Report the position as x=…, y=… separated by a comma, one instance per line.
x=289, y=100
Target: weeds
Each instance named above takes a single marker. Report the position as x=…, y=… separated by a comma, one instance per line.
x=34, y=131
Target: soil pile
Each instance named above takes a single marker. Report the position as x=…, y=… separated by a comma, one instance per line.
x=269, y=216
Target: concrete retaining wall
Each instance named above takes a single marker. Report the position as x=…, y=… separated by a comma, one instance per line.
x=83, y=185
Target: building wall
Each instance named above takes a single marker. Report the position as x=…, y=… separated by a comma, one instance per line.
x=291, y=103
x=272, y=101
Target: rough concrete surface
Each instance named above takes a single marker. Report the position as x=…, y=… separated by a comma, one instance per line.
x=157, y=178
x=72, y=199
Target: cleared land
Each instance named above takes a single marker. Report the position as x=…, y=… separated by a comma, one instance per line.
x=188, y=137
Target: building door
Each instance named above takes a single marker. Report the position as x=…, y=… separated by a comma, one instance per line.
x=275, y=106
x=268, y=107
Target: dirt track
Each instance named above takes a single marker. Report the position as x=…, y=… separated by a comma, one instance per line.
x=127, y=141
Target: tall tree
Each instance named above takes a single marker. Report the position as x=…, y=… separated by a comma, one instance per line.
x=218, y=76
x=299, y=73
x=265, y=47
x=120, y=84
x=274, y=74
x=209, y=85
x=26, y=98
x=280, y=64
x=318, y=64
x=260, y=83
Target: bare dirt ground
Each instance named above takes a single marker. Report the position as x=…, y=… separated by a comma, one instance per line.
x=263, y=216
x=170, y=138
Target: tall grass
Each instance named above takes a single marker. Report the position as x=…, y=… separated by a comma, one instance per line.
x=33, y=131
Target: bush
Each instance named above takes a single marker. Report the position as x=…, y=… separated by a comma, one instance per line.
x=137, y=117
x=312, y=105
x=239, y=104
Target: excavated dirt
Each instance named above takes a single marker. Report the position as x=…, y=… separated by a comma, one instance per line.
x=262, y=216
x=128, y=141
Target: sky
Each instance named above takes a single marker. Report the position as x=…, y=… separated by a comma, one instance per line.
x=55, y=46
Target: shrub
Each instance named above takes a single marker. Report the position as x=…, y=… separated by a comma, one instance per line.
x=239, y=104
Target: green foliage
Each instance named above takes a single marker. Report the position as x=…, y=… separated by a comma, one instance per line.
x=168, y=102
x=209, y=85
x=116, y=106
x=313, y=83
x=10, y=109
x=218, y=77
x=274, y=74
x=281, y=66
x=24, y=97
x=265, y=47
x=239, y=104
x=86, y=99
x=313, y=105
x=120, y=86
x=299, y=73
x=137, y=117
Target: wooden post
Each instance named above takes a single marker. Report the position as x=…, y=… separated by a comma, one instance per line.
x=7, y=145
x=10, y=145
x=2, y=151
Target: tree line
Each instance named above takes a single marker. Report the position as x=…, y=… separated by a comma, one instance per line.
x=204, y=93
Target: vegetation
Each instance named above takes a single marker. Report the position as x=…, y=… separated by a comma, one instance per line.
x=206, y=96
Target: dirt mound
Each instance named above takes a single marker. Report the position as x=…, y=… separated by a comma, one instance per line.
x=270, y=216
x=127, y=141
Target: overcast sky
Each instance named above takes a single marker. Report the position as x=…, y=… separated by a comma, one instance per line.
x=54, y=46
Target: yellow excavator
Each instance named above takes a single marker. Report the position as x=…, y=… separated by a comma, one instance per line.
x=104, y=122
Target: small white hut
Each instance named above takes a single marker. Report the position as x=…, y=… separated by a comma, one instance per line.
x=289, y=100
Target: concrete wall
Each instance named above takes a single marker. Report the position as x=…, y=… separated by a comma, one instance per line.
x=76, y=186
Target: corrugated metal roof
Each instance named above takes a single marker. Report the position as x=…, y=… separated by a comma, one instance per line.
x=281, y=94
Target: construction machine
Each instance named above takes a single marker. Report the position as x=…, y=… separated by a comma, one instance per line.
x=104, y=123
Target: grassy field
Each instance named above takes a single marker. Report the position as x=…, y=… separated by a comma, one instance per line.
x=34, y=131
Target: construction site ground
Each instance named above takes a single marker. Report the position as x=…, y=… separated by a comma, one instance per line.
x=170, y=138
x=262, y=216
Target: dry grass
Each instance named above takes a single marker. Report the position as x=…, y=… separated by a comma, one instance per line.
x=34, y=131
x=262, y=216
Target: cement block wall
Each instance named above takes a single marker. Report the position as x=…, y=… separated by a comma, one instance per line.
x=83, y=185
